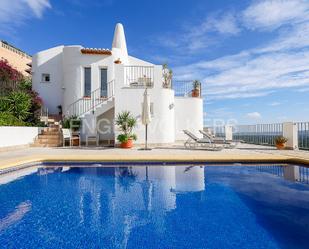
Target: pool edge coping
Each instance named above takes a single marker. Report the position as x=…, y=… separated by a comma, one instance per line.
x=33, y=161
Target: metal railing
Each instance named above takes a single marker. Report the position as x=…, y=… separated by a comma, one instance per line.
x=262, y=134
x=184, y=88
x=139, y=76
x=86, y=104
x=278, y=170
x=44, y=114
x=219, y=131
x=303, y=135
x=273, y=169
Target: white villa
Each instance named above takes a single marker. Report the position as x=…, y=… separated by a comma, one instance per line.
x=97, y=84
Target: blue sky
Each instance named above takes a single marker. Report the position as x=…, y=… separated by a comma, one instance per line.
x=251, y=55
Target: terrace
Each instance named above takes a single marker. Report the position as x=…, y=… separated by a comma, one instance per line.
x=244, y=153
x=154, y=76
x=265, y=134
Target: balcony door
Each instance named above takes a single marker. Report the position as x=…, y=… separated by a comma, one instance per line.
x=103, y=73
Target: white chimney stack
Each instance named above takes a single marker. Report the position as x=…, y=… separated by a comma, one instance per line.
x=119, y=41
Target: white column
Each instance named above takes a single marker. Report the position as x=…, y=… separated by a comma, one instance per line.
x=228, y=133
x=291, y=133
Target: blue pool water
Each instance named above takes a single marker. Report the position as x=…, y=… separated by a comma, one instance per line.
x=154, y=207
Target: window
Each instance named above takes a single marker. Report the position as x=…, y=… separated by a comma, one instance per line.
x=45, y=78
x=87, y=82
x=103, y=72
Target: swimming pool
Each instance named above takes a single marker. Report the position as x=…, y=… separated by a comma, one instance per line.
x=126, y=206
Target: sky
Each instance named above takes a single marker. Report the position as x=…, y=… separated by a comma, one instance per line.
x=252, y=56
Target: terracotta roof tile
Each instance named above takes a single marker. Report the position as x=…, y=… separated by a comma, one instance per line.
x=96, y=51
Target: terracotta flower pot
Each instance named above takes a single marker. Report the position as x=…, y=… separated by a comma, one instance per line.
x=195, y=93
x=280, y=146
x=127, y=145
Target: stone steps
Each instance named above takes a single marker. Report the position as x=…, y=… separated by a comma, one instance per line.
x=49, y=132
x=50, y=137
x=45, y=145
x=48, y=140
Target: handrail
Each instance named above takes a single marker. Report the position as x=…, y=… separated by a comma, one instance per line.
x=44, y=114
x=86, y=104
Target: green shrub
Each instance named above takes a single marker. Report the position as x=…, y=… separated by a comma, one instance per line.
x=123, y=138
x=25, y=84
x=126, y=122
x=74, y=123
x=8, y=119
x=17, y=103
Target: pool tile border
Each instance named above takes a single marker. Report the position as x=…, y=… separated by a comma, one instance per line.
x=25, y=162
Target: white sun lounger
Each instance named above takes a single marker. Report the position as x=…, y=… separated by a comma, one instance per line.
x=219, y=140
x=193, y=142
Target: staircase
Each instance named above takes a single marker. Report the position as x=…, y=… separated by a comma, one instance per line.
x=96, y=103
x=50, y=137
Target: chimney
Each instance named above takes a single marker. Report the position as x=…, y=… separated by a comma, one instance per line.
x=119, y=41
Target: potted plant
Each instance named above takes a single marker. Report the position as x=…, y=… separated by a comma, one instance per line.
x=126, y=122
x=280, y=142
x=167, y=76
x=196, y=89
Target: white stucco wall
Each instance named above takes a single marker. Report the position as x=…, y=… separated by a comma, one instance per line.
x=188, y=116
x=13, y=136
x=106, y=125
x=66, y=64
x=161, y=128
x=136, y=61
x=48, y=61
x=73, y=72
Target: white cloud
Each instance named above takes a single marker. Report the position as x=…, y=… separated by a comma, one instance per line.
x=279, y=63
x=225, y=24
x=271, y=14
x=275, y=103
x=292, y=38
x=195, y=37
x=14, y=13
x=303, y=90
x=254, y=115
x=251, y=75
x=38, y=6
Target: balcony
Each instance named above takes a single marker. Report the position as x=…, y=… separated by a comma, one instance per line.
x=139, y=76
x=155, y=76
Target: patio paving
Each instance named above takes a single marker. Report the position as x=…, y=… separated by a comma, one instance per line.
x=243, y=153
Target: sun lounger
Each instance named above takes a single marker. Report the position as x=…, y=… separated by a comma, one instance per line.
x=218, y=140
x=194, y=142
